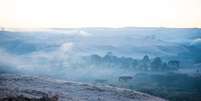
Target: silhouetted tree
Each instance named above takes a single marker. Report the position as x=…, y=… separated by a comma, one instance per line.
x=109, y=59
x=173, y=64
x=95, y=59
x=145, y=63
x=164, y=67
x=156, y=64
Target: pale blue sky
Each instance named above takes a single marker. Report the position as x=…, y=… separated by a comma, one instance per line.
x=100, y=13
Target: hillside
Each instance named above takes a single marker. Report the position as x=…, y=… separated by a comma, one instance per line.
x=37, y=87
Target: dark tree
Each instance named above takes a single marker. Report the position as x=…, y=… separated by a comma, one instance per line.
x=156, y=64
x=145, y=63
x=95, y=59
x=173, y=64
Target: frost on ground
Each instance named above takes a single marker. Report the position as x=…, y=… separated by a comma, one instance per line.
x=19, y=86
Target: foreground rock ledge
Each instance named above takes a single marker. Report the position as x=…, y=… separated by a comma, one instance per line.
x=40, y=88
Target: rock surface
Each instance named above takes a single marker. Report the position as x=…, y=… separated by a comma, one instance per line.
x=38, y=87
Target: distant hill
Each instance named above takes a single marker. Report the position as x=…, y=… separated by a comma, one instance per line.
x=128, y=41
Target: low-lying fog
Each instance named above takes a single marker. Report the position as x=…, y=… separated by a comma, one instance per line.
x=62, y=53
x=164, y=62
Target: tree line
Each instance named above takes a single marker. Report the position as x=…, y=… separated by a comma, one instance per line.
x=144, y=64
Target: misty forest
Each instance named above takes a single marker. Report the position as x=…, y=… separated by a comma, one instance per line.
x=101, y=64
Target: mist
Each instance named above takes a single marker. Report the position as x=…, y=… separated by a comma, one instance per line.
x=60, y=52
x=150, y=60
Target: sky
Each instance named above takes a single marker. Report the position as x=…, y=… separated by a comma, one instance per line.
x=100, y=13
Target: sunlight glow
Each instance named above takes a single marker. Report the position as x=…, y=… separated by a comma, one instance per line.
x=100, y=13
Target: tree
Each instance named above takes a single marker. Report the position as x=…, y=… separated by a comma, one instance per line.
x=156, y=64
x=145, y=63
x=109, y=59
x=173, y=64
x=165, y=66
x=95, y=59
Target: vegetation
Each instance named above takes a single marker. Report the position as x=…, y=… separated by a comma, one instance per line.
x=23, y=98
x=145, y=64
x=172, y=86
x=160, y=78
